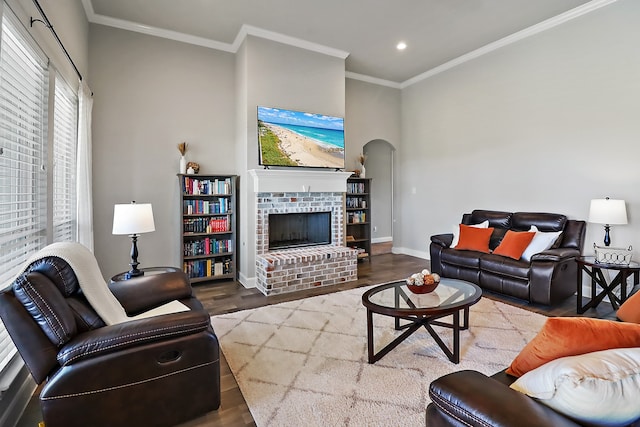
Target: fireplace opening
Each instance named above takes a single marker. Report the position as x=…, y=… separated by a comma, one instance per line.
x=293, y=230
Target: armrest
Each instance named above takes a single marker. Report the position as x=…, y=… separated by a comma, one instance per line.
x=113, y=338
x=443, y=240
x=555, y=255
x=473, y=399
x=143, y=293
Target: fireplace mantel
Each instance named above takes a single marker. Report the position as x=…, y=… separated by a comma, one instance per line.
x=297, y=181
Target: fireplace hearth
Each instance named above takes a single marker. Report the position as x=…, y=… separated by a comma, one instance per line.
x=296, y=230
x=324, y=260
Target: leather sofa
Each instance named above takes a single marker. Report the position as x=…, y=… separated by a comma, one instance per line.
x=469, y=398
x=547, y=279
x=161, y=370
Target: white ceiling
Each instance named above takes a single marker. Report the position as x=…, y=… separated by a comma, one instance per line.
x=366, y=32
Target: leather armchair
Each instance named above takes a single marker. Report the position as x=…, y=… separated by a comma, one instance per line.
x=160, y=370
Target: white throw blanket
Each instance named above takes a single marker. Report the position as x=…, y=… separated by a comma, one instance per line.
x=92, y=283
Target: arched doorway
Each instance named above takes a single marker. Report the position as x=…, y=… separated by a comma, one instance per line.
x=379, y=166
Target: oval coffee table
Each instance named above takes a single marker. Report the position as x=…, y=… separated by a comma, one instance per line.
x=397, y=301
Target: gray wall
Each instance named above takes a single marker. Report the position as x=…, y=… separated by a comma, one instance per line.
x=373, y=112
x=380, y=155
x=545, y=124
x=149, y=95
x=372, y=126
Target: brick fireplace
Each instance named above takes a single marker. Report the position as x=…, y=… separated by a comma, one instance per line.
x=302, y=267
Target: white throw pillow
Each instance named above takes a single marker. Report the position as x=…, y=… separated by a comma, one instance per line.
x=456, y=231
x=602, y=387
x=540, y=242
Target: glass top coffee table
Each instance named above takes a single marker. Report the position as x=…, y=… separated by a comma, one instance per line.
x=396, y=300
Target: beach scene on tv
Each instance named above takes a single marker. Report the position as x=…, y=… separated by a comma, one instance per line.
x=294, y=138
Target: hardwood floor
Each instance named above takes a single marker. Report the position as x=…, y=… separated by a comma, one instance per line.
x=225, y=297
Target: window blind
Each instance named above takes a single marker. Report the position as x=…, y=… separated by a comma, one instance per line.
x=23, y=136
x=65, y=137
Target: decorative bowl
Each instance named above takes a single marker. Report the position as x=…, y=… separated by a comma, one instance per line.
x=423, y=289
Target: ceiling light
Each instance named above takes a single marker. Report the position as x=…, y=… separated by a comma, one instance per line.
x=401, y=46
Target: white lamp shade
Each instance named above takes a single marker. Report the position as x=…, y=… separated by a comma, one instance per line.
x=133, y=218
x=608, y=211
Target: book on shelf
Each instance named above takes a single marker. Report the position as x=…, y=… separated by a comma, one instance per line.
x=203, y=207
x=205, y=225
x=356, y=187
x=207, y=268
x=206, y=246
x=356, y=217
x=194, y=186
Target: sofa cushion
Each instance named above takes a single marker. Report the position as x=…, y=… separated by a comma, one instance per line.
x=571, y=336
x=629, y=311
x=505, y=266
x=540, y=242
x=466, y=259
x=46, y=305
x=496, y=219
x=599, y=388
x=474, y=239
x=59, y=272
x=514, y=243
x=456, y=232
x=573, y=235
x=543, y=221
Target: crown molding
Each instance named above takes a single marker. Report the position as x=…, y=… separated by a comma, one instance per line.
x=513, y=38
x=245, y=30
x=374, y=80
x=248, y=30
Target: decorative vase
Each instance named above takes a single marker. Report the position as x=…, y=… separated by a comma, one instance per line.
x=362, y=172
x=183, y=165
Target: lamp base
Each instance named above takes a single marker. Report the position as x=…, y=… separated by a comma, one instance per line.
x=134, y=272
x=607, y=237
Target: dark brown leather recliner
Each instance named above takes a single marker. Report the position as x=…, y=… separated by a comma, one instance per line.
x=156, y=371
x=470, y=398
x=548, y=278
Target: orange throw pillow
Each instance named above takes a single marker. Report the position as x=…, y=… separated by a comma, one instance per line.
x=474, y=239
x=629, y=311
x=514, y=243
x=571, y=336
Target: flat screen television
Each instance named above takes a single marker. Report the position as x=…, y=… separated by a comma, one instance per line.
x=295, y=138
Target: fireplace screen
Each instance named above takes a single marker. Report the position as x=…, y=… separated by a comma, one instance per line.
x=293, y=230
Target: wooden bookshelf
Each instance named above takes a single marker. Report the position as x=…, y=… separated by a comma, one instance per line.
x=358, y=216
x=208, y=230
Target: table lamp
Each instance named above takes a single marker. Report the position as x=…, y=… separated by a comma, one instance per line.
x=133, y=219
x=607, y=211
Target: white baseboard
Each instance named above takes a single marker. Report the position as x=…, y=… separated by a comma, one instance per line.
x=407, y=251
x=247, y=282
x=382, y=239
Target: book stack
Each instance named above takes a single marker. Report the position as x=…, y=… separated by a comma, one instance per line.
x=193, y=186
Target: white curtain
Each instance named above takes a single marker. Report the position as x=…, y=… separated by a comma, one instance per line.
x=84, y=176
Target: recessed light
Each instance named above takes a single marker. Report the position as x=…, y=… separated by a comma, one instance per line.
x=401, y=46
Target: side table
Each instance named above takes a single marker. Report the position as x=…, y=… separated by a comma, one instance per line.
x=149, y=271
x=594, y=270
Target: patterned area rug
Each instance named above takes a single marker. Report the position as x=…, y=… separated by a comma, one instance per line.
x=305, y=362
